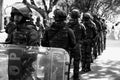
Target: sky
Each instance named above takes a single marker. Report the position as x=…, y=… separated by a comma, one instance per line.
x=9, y=2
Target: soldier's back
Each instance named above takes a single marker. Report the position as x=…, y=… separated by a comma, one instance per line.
x=78, y=28
x=58, y=36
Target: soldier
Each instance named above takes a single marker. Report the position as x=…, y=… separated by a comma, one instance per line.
x=104, y=29
x=23, y=32
x=22, y=27
x=90, y=39
x=80, y=34
x=59, y=35
x=97, y=46
x=101, y=35
x=10, y=27
x=53, y=34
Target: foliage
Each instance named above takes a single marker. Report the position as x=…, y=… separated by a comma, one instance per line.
x=43, y=11
x=83, y=5
x=65, y=4
x=104, y=8
x=109, y=8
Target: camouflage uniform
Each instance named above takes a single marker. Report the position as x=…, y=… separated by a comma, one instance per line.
x=104, y=28
x=59, y=35
x=97, y=46
x=101, y=36
x=90, y=38
x=24, y=33
x=80, y=34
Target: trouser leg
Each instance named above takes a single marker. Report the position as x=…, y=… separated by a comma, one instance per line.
x=76, y=63
x=95, y=51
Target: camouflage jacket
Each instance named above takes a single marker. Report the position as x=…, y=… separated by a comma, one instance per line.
x=79, y=30
x=59, y=36
x=24, y=34
x=91, y=31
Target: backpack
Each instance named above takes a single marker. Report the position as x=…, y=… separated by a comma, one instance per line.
x=79, y=31
x=60, y=39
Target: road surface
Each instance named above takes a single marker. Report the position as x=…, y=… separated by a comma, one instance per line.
x=107, y=65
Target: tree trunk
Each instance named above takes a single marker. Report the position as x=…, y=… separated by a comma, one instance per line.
x=1, y=15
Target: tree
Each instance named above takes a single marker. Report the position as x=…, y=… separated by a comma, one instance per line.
x=103, y=8
x=46, y=10
x=83, y=5
x=43, y=11
x=107, y=8
x=33, y=5
x=1, y=16
x=65, y=5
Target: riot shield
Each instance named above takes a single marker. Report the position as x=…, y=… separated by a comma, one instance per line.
x=14, y=68
x=3, y=64
x=33, y=63
x=52, y=64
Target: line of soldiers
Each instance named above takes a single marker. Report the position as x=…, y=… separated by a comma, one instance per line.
x=83, y=39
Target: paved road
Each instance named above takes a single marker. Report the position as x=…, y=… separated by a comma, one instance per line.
x=107, y=66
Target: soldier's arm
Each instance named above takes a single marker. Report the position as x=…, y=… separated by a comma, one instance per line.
x=72, y=38
x=94, y=32
x=82, y=33
x=45, y=41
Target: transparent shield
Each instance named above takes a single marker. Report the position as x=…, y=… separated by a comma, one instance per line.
x=3, y=63
x=51, y=64
x=32, y=63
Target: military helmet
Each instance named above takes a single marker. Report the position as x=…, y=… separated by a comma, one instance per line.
x=59, y=15
x=87, y=16
x=21, y=8
x=75, y=14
